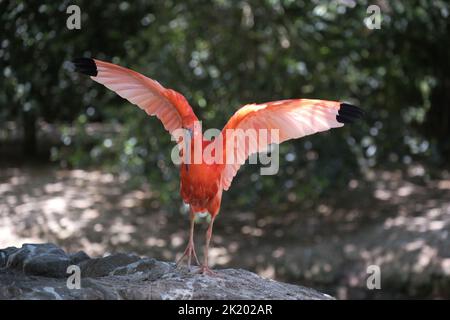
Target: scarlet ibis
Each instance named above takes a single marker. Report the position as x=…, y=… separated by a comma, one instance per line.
x=202, y=183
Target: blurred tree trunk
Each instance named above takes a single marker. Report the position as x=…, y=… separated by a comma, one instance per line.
x=437, y=121
x=29, y=133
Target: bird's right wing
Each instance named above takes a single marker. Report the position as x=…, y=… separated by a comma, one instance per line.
x=168, y=105
x=291, y=119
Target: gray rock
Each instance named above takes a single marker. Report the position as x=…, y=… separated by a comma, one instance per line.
x=80, y=256
x=100, y=267
x=4, y=254
x=39, y=259
x=50, y=265
x=127, y=276
x=141, y=267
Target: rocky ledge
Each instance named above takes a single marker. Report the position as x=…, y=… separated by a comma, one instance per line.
x=45, y=271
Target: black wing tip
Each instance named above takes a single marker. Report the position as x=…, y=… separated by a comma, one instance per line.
x=349, y=113
x=86, y=66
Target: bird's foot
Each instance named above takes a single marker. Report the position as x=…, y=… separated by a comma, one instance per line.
x=189, y=253
x=207, y=271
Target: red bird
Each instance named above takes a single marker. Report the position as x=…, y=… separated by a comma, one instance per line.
x=203, y=182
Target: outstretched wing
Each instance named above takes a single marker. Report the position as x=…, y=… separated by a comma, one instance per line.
x=168, y=105
x=294, y=118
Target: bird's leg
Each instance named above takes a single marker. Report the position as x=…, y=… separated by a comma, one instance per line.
x=205, y=268
x=190, y=249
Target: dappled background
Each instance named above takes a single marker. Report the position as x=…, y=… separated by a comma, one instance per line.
x=82, y=168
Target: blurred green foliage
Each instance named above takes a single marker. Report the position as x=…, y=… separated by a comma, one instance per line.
x=223, y=54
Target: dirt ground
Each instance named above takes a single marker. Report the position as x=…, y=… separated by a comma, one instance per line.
x=399, y=221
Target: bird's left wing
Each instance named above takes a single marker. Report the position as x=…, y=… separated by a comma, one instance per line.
x=291, y=119
x=168, y=105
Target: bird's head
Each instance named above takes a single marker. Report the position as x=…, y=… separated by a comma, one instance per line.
x=193, y=128
x=192, y=134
